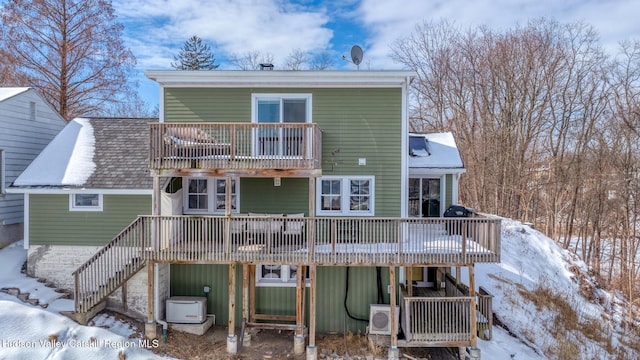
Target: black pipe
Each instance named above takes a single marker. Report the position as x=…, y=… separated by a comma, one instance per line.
x=346, y=296
x=379, y=279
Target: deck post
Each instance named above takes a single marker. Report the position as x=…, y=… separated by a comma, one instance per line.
x=312, y=352
x=252, y=293
x=232, y=341
x=474, y=319
x=245, y=292
x=150, y=331
x=393, y=350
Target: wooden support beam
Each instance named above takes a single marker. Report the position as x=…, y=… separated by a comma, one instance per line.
x=252, y=293
x=409, y=280
x=245, y=292
x=393, y=302
x=150, y=291
x=472, y=294
x=268, y=317
x=312, y=306
x=300, y=300
x=232, y=300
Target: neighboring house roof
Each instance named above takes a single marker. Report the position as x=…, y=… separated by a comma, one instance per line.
x=7, y=92
x=93, y=153
x=439, y=152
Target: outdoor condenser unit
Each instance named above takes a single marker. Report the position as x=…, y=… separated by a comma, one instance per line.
x=187, y=309
x=380, y=319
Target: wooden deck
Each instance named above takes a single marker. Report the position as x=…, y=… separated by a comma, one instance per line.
x=323, y=241
x=235, y=149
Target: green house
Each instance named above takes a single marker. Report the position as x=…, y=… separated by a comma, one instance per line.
x=291, y=200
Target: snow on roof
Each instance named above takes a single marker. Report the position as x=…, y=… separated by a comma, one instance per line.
x=67, y=160
x=7, y=92
x=442, y=153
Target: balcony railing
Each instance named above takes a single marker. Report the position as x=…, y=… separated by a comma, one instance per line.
x=324, y=241
x=235, y=146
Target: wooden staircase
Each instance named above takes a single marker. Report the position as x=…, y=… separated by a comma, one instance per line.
x=109, y=268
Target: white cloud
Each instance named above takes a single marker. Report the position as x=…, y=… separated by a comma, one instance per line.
x=268, y=26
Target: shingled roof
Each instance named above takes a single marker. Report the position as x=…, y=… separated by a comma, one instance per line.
x=94, y=153
x=121, y=154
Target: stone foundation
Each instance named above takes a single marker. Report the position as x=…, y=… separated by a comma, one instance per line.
x=56, y=263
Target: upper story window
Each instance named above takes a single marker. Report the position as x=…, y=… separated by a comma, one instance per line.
x=207, y=195
x=280, y=109
x=345, y=195
x=85, y=202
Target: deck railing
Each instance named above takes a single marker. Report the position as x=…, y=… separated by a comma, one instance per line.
x=108, y=268
x=235, y=146
x=437, y=321
x=324, y=241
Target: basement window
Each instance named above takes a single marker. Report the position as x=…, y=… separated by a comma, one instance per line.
x=279, y=275
x=85, y=202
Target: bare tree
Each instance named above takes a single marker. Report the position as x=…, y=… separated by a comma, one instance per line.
x=297, y=60
x=251, y=60
x=321, y=61
x=71, y=50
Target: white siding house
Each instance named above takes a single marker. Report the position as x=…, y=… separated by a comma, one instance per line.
x=27, y=124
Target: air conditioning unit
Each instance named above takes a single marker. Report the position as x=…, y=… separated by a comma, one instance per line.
x=186, y=309
x=380, y=319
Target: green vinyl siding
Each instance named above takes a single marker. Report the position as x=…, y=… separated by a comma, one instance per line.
x=189, y=280
x=356, y=123
x=259, y=195
x=51, y=222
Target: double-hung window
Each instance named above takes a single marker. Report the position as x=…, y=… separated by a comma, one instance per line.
x=345, y=195
x=207, y=195
x=281, y=109
x=279, y=275
x=85, y=202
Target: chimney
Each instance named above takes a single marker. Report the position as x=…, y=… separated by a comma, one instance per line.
x=266, y=66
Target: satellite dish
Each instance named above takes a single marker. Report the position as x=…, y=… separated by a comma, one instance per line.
x=356, y=54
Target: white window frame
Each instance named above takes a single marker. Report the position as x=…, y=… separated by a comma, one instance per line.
x=211, y=195
x=345, y=196
x=74, y=207
x=281, y=97
x=285, y=279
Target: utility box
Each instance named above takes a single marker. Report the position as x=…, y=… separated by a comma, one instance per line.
x=186, y=309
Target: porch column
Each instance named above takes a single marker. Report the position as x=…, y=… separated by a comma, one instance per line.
x=227, y=195
x=298, y=338
x=393, y=349
x=312, y=351
x=472, y=293
x=232, y=340
x=150, y=331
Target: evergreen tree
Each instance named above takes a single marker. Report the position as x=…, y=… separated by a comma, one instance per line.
x=194, y=55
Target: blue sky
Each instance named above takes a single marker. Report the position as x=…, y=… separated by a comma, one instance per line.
x=156, y=29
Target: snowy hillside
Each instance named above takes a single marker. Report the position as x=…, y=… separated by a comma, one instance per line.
x=542, y=294
x=545, y=297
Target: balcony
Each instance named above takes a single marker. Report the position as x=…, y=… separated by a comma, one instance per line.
x=323, y=241
x=236, y=149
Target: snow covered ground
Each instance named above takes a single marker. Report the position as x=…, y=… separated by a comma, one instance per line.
x=530, y=264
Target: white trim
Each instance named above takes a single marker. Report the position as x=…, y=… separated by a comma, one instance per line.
x=25, y=241
x=281, y=78
x=345, y=195
x=277, y=282
x=454, y=188
x=443, y=193
x=434, y=171
x=281, y=96
x=74, y=207
x=66, y=191
x=404, y=145
x=161, y=104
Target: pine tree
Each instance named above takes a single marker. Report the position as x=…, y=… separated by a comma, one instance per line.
x=194, y=55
